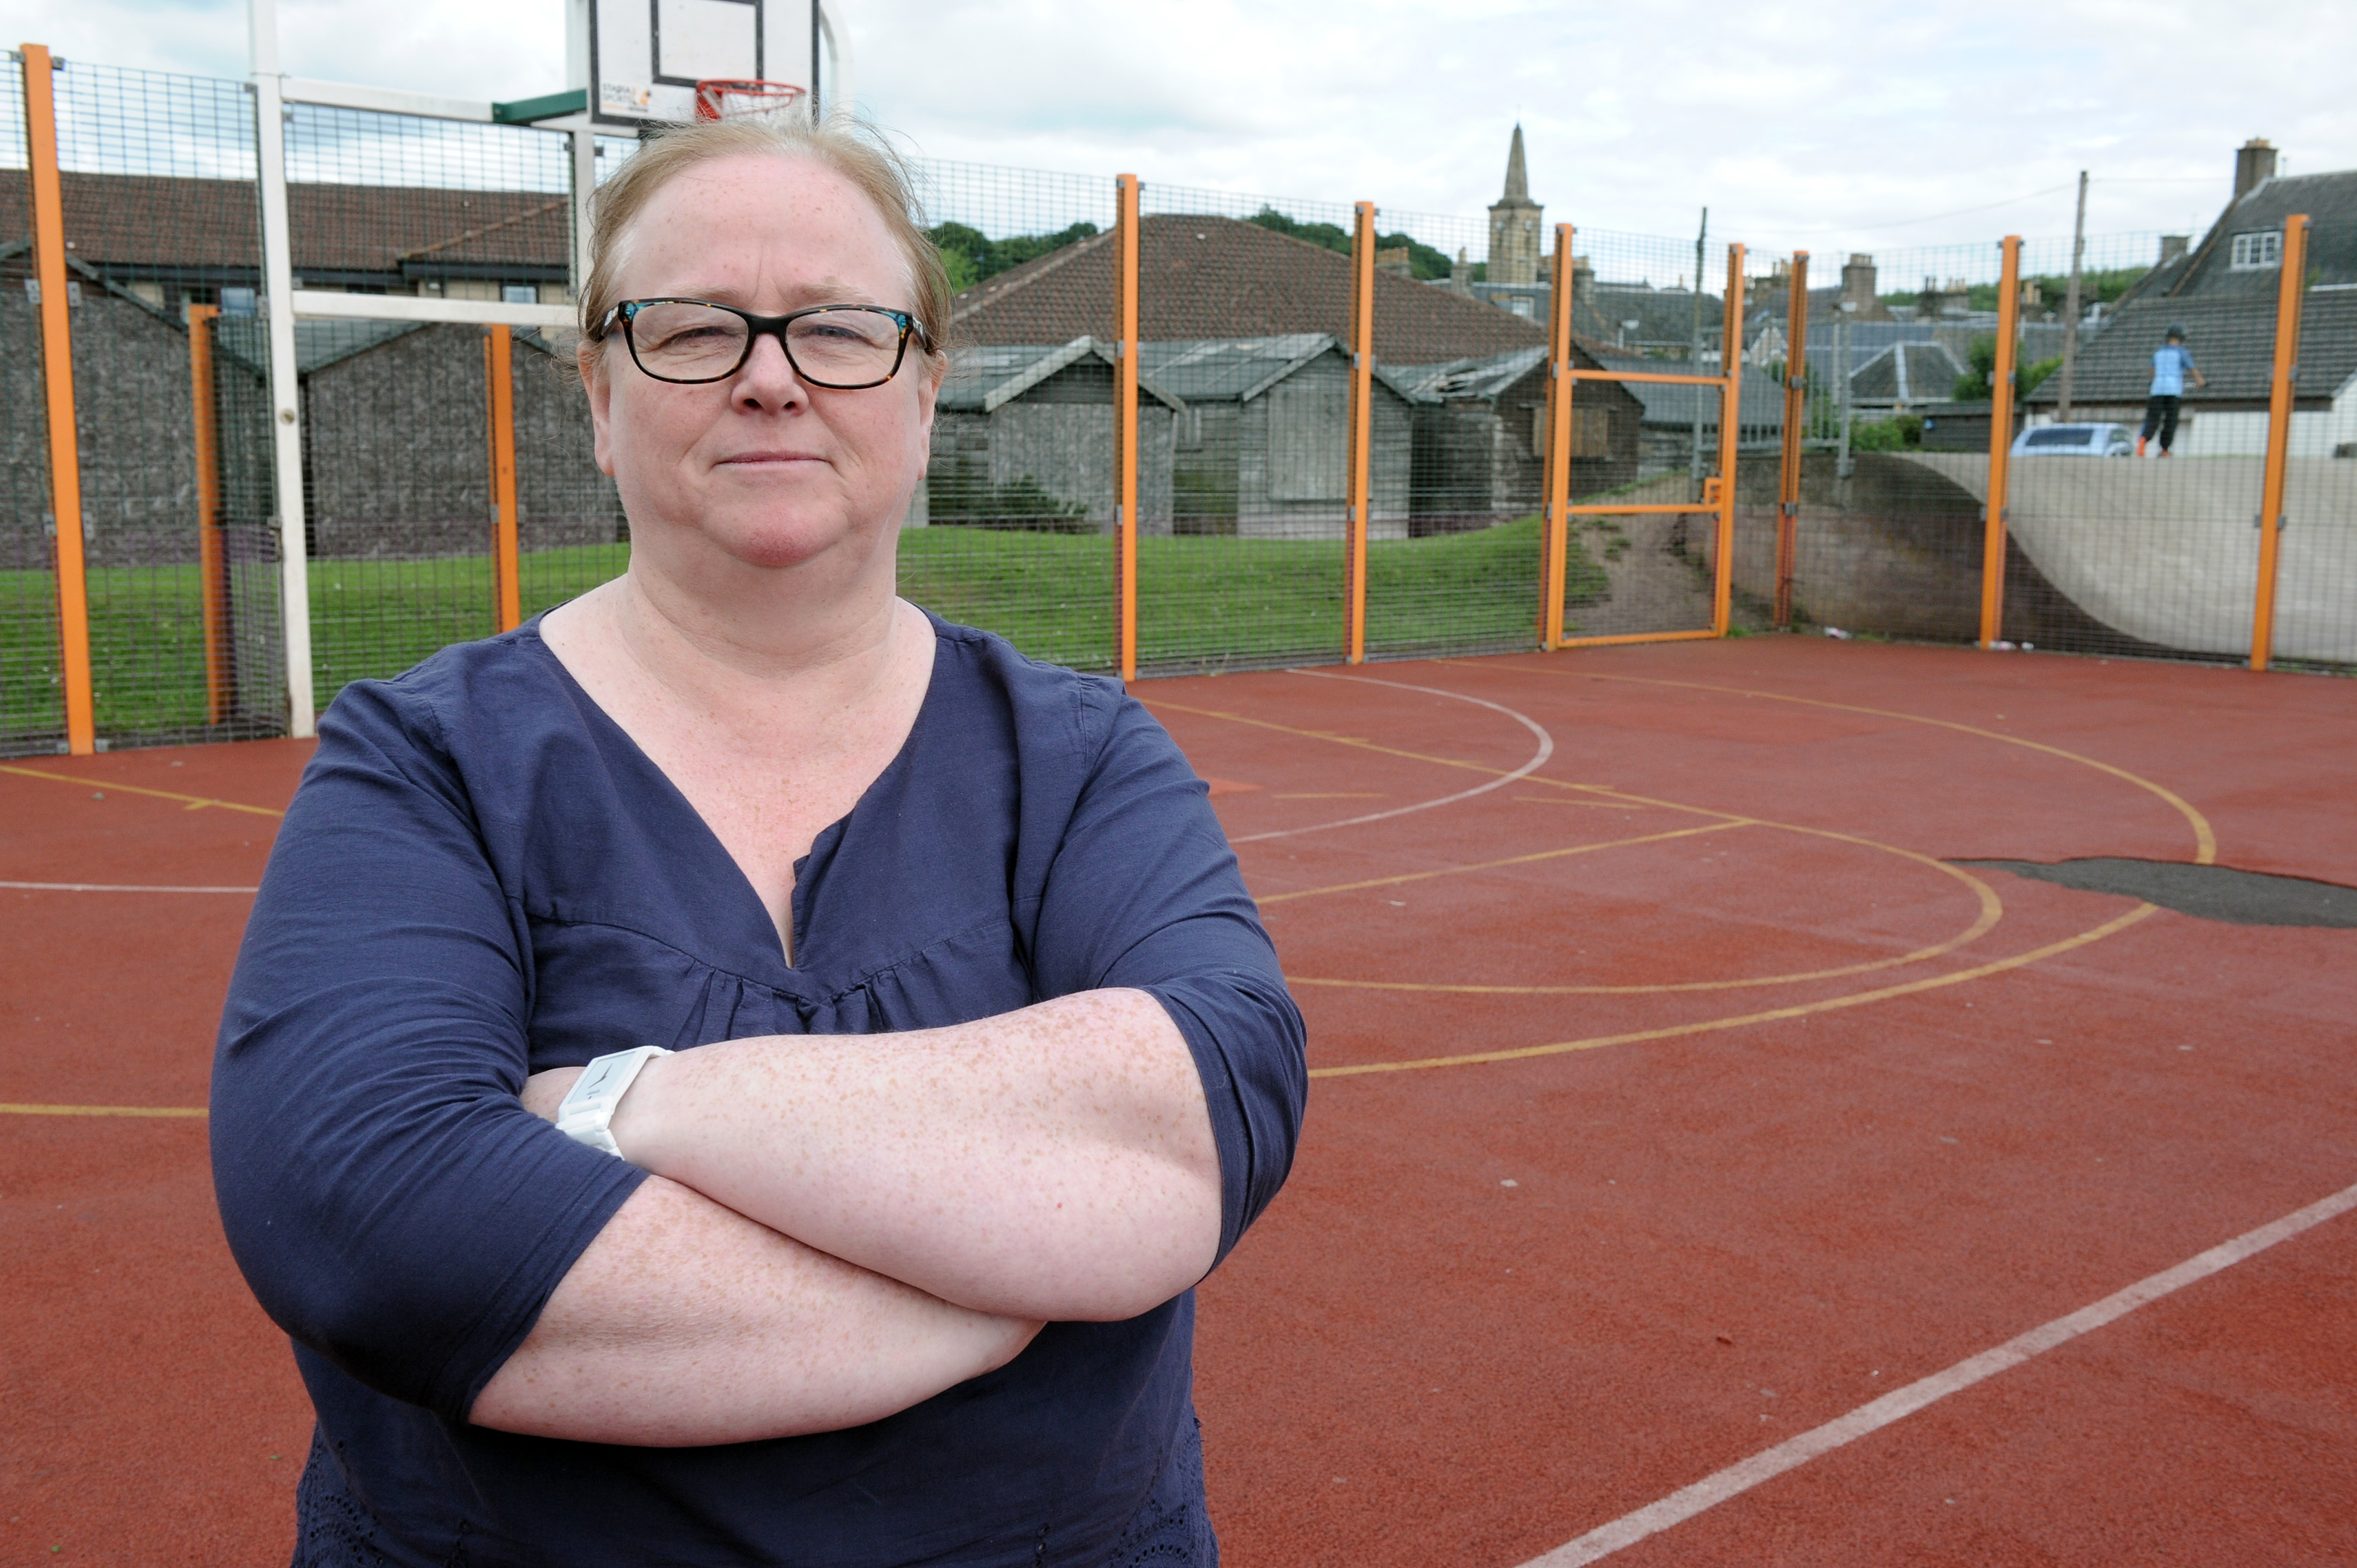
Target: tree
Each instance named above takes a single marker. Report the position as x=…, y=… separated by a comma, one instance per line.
x=972, y=256
x=1425, y=262
x=1974, y=384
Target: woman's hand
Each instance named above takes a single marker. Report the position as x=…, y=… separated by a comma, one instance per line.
x=544, y=1092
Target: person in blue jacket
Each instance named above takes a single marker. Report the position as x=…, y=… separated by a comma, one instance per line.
x=739, y=1070
x=2172, y=362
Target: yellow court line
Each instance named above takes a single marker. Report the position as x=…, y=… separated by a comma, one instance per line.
x=194, y=802
x=2206, y=841
x=1361, y=742
x=102, y=1110
x=1558, y=800
x=1992, y=911
x=1335, y=795
x=1831, y=1004
x=1493, y=864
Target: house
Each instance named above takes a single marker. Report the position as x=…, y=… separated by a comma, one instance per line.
x=1023, y=438
x=1481, y=438
x=2224, y=293
x=1263, y=448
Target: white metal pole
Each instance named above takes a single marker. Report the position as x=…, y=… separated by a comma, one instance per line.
x=838, y=44
x=286, y=399
x=585, y=184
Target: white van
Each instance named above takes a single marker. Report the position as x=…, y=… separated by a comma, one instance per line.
x=2075, y=441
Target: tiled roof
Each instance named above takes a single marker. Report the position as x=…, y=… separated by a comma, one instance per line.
x=1906, y=372
x=2329, y=200
x=143, y=220
x=1204, y=278
x=2233, y=340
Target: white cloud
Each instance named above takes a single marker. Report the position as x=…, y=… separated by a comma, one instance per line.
x=1832, y=125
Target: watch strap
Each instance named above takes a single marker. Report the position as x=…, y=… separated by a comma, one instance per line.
x=587, y=1112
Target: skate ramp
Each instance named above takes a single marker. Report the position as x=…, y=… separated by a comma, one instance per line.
x=2168, y=553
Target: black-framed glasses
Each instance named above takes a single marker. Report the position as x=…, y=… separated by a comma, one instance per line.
x=842, y=348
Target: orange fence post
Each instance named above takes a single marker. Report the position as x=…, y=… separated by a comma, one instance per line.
x=504, y=554
x=212, y=568
x=57, y=378
x=1796, y=419
x=1730, y=420
x=1555, y=538
x=2009, y=329
x=1360, y=489
x=1124, y=423
x=2280, y=389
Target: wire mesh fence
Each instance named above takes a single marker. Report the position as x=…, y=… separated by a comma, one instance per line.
x=159, y=226
x=1013, y=528
x=32, y=688
x=1646, y=305
x=399, y=417
x=2104, y=553
x=1246, y=465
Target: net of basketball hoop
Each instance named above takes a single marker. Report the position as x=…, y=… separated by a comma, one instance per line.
x=749, y=100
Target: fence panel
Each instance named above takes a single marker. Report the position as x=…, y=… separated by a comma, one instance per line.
x=1642, y=306
x=2316, y=571
x=1453, y=559
x=161, y=228
x=1013, y=528
x=398, y=417
x=2105, y=554
x=1244, y=440
x=32, y=683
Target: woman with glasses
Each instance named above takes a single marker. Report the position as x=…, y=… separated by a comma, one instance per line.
x=739, y=1070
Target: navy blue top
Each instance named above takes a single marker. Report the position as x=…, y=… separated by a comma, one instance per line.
x=482, y=877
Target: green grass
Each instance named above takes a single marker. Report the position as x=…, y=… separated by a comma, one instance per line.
x=1202, y=602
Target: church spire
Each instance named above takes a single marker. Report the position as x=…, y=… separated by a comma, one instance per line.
x=1518, y=178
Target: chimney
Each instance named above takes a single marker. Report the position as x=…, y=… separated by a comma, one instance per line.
x=2173, y=246
x=1857, y=280
x=2255, y=163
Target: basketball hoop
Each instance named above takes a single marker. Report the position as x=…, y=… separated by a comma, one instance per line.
x=748, y=100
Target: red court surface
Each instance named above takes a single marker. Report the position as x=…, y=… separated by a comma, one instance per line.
x=1677, y=1099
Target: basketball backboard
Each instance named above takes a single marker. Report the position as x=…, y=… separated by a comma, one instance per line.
x=640, y=59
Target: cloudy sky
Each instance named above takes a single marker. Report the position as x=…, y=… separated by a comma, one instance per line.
x=1834, y=125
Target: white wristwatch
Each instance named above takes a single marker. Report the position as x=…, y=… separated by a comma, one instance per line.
x=589, y=1104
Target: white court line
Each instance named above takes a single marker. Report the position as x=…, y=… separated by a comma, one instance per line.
x=112, y=888
x=1712, y=1490
x=1538, y=759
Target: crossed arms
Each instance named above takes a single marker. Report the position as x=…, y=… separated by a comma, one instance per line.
x=839, y=1227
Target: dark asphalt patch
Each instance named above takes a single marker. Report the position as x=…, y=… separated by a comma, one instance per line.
x=2206, y=892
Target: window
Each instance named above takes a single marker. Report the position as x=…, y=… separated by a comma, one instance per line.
x=1591, y=430
x=520, y=293
x=2252, y=251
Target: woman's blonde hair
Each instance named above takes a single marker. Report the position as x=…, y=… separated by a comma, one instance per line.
x=843, y=146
